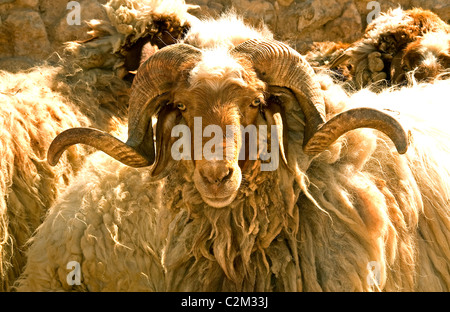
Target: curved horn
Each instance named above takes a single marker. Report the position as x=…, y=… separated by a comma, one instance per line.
x=358, y=118
x=155, y=77
x=278, y=64
x=101, y=141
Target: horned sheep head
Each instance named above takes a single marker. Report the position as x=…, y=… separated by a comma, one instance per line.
x=167, y=86
x=427, y=58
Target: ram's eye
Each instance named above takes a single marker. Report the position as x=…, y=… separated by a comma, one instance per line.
x=181, y=106
x=257, y=102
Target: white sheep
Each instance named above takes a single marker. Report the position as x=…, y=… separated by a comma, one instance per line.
x=342, y=211
x=83, y=88
x=36, y=106
x=397, y=45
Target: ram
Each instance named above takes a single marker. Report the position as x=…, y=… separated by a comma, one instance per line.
x=83, y=88
x=397, y=46
x=346, y=208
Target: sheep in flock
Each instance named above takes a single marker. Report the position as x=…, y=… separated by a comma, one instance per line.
x=340, y=210
x=84, y=88
x=397, y=46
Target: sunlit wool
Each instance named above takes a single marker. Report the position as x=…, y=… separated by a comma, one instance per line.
x=83, y=88
x=399, y=42
x=315, y=226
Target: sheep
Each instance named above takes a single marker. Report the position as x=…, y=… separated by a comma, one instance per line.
x=86, y=86
x=427, y=58
x=36, y=106
x=338, y=204
x=397, y=45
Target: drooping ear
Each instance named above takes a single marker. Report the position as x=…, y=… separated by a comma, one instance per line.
x=158, y=138
x=167, y=118
x=148, y=98
x=277, y=101
x=148, y=153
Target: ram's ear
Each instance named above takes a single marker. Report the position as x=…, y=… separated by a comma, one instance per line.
x=167, y=118
x=274, y=113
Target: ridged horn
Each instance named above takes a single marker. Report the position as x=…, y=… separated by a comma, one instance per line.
x=99, y=140
x=155, y=77
x=362, y=117
x=279, y=65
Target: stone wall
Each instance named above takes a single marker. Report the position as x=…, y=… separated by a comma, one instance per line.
x=301, y=22
x=31, y=29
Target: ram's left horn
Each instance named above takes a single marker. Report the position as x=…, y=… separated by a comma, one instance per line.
x=358, y=118
x=99, y=140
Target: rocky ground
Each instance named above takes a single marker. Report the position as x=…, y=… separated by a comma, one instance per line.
x=30, y=30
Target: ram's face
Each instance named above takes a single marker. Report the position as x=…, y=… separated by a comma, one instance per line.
x=214, y=96
x=220, y=95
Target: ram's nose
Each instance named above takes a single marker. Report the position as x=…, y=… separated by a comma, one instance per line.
x=216, y=172
x=217, y=181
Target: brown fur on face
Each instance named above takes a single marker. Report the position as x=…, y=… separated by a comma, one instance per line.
x=405, y=49
x=222, y=95
x=422, y=21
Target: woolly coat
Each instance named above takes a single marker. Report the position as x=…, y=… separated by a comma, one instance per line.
x=358, y=217
x=375, y=57
x=83, y=88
